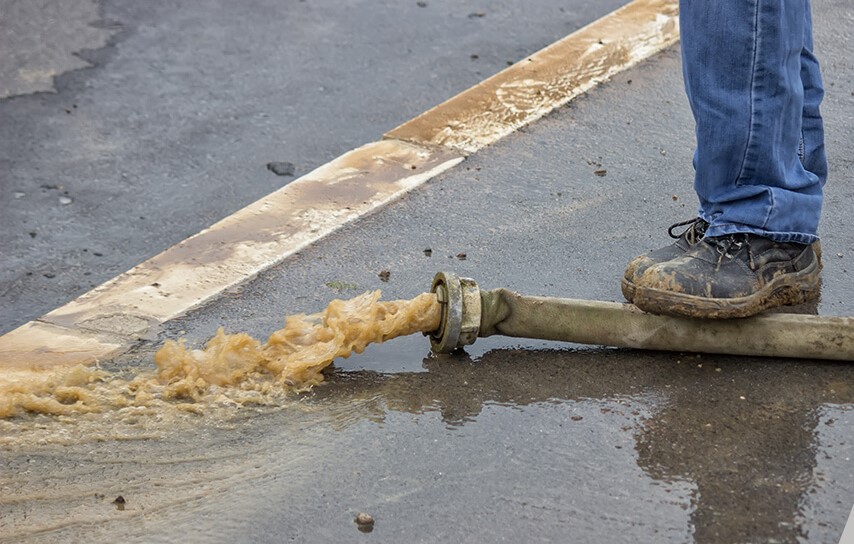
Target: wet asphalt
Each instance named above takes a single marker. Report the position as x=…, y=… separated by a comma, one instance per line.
x=516, y=440
x=173, y=125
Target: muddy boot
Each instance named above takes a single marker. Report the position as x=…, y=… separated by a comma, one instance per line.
x=685, y=241
x=738, y=275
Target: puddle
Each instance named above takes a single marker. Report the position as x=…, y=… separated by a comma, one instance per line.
x=594, y=445
x=452, y=449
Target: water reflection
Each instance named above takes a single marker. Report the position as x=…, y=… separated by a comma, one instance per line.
x=741, y=429
x=740, y=433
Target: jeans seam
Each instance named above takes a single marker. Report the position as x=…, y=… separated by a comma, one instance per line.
x=752, y=94
x=770, y=209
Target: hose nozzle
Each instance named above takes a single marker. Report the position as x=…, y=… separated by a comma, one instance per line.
x=461, y=312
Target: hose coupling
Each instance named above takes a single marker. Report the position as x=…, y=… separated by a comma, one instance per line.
x=461, y=312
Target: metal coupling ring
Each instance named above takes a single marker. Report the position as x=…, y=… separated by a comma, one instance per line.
x=461, y=312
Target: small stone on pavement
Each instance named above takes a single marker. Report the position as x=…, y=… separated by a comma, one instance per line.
x=281, y=168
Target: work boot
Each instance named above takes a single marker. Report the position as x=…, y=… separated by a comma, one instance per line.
x=685, y=241
x=731, y=276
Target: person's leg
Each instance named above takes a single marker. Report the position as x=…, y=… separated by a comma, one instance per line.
x=742, y=62
x=812, y=141
x=756, y=133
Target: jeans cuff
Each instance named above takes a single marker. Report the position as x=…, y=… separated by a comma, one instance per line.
x=731, y=228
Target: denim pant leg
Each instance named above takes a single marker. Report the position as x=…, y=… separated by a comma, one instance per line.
x=742, y=65
x=812, y=138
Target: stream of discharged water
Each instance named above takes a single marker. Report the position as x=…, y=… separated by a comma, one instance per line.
x=232, y=367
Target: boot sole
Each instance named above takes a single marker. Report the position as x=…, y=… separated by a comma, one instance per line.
x=788, y=290
x=628, y=288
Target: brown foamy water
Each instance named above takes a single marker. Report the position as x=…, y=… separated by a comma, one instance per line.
x=232, y=368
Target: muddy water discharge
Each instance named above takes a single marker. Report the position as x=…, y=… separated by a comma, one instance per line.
x=233, y=368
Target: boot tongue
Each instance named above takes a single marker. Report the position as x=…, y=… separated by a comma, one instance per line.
x=729, y=246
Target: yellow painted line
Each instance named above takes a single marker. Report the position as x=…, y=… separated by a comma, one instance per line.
x=112, y=317
x=254, y=238
x=546, y=80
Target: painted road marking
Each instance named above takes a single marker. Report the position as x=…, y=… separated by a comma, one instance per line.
x=114, y=315
x=108, y=320
x=848, y=532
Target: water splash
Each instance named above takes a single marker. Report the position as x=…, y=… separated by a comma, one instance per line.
x=232, y=368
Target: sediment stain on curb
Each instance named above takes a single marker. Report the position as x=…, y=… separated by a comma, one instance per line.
x=547, y=79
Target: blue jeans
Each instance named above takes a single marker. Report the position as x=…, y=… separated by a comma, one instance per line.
x=754, y=87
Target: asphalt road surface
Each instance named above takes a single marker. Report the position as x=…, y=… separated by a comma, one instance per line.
x=171, y=126
x=516, y=440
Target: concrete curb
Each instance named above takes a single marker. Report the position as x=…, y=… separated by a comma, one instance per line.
x=112, y=317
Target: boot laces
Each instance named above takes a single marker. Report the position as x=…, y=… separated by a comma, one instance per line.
x=694, y=233
x=728, y=247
